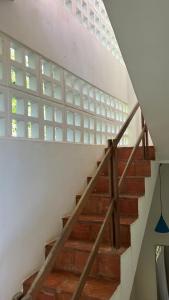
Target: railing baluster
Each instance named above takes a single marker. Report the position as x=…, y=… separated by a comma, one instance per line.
x=110, y=175
x=143, y=139
x=116, y=213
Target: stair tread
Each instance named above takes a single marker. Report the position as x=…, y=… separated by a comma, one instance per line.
x=105, y=195
x=64, y=281
x=87, y=246
x=124, y=220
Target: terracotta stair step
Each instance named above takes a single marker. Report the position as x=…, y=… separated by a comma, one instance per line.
x=60, y=285
x=131, y=185
x=75, y=253
x=98, y=205
x=124, y=153
x=137, y=168
x=88, y=226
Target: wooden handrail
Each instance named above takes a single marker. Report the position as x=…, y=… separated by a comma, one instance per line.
x=92, y=255
x=126, y=124
x=114, y=186
x=131, y=157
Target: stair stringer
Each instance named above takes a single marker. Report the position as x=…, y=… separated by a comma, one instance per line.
x=129, y=259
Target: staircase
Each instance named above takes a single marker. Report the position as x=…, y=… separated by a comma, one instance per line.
x=104, y=277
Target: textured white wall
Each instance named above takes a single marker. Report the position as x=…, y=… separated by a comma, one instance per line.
x=38, y=184
x=141, y=28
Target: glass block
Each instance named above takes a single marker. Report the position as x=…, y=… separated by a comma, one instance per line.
x=68, y=79
x=69, y=118
x=109, y=128
x=2, y=127
x=69, y=97
x=113, y=129
x=86, y=122
x=91, y=137
x=1, y=70
x=70, y=135
x=91, y=106
x=18, y=128
x=16, y=52
x=18, y=106
x=104, y=139
x=30, y=59
x=58, y=134
x=77, y=119
x=108, y=113
x=98, y=109
x=48, y=113
x=112, y=114
x=1, y=46
x=84, y=5
x=33, y=130
x=98, y=126
x=2, y=102
x=98, y=95
x=68, y=4
x=103, y=127
x=103, y=111
x=85, y=103
x=98, y=138
x=48, y=133
x=46, y=68
x=85, y=90
x=86, y=137
x=17, y=77
x=85, y=21
x=77, y=136
x=77, y=99
x=32, y=109
x=58, y=116
x=57, y=91
x=102, y=97
x=31, y=82
x=47, y=88
x=79, y=14
x=117, y=116
x=56, y=72
x=91, y=124
x=108, y=102
x=77, y=85
x=91, y=92
x=112, y=103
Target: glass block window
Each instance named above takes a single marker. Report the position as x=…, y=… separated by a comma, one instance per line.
x=43, y=101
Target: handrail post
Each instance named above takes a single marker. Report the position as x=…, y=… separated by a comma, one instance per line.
x=110, y=175
x=116, y=213
x=143, y=139
x=146, y=139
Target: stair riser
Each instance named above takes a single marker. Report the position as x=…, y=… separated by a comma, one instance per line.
x=139, y=168
x=88, y=231
x=96, y=206
x=124, y=153
x=130, y=186
x=107, y=265
x=99, y=206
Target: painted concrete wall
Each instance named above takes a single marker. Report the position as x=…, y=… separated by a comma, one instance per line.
x=141, y=28
x=38, y=184
x=145, y=280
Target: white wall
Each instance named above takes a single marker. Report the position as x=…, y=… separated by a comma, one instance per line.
x=38, y=185
x=145, y=280
x=141, y=29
